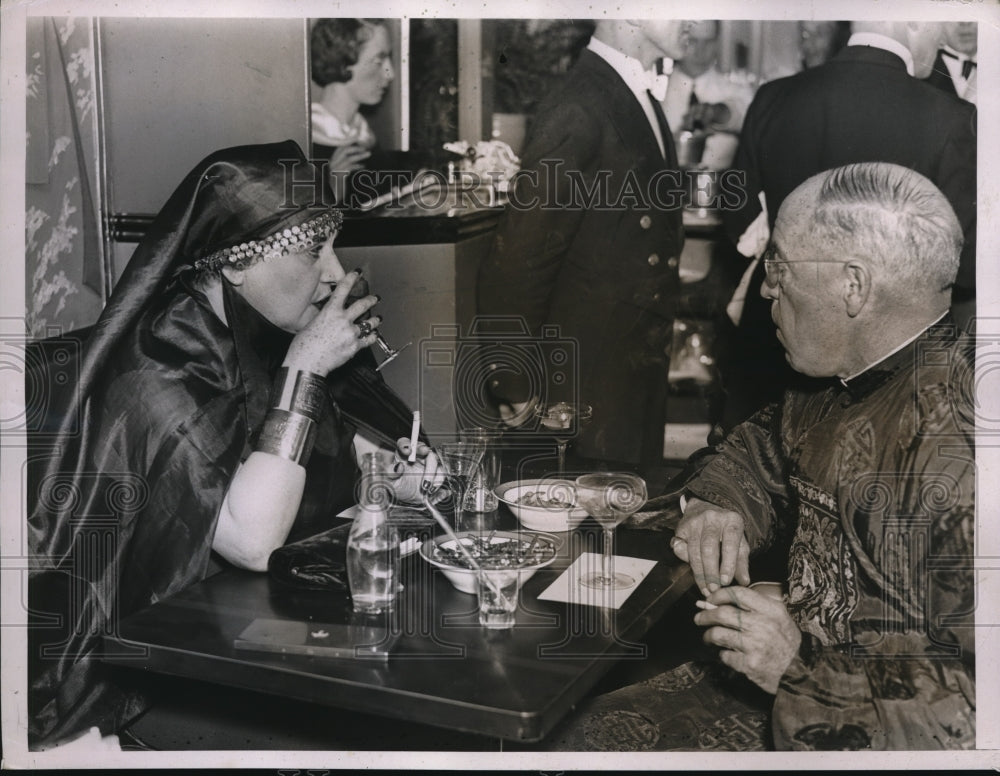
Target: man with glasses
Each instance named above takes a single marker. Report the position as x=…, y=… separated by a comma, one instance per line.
x=873, y=478
x=865, y=104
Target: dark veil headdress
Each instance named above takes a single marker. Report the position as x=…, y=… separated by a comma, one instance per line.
x=235, y=205
x=232, y=198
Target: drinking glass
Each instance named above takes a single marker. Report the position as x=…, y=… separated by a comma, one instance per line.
x=563, y=420
x=481, y=496
x=358, y=291
x=497, y=592
x=609, y=497
x=461, y=462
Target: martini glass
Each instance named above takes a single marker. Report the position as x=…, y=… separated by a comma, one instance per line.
x=563, y=420
x=609, y=497
x=461, y=462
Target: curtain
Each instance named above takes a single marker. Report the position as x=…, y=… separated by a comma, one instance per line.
x=64, y=250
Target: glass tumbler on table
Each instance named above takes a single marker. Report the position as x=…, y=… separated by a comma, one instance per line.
x=461, y=462
x=480, y=496
x=497, y=592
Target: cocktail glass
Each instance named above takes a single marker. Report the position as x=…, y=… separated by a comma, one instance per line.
x=358, y=291
x=609, y=497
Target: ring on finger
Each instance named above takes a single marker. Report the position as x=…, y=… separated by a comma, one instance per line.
x=364, y=329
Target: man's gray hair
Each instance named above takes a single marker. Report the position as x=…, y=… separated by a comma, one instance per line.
x=893, y=216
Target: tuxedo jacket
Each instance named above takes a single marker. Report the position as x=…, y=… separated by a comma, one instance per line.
x=587, y=254
x=940, y=76
x=861, y=106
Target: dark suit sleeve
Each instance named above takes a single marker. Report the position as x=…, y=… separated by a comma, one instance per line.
x=536, y=232
x=956, y=178
x=736, y=220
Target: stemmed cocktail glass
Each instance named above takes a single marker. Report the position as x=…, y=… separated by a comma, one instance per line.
x=358, y=291
x=563, y=420
x=609, y=497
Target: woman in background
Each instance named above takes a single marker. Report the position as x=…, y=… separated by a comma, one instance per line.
x=352, y=63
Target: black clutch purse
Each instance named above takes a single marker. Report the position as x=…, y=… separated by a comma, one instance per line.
x=316, y=563
x=320, y=562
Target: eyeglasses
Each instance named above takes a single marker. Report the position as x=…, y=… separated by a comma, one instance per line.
x=772, y=271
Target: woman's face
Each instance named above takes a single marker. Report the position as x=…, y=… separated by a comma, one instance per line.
x=290, y=290
x=373, y=73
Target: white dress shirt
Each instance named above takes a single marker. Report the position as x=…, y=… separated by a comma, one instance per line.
x=635, y=77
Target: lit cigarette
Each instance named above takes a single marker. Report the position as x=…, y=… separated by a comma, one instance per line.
x=705, y=605
x=414, y=435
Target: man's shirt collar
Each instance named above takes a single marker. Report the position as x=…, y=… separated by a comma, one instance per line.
x=875, y=40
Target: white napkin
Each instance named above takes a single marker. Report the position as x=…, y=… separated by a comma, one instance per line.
x=567, y=586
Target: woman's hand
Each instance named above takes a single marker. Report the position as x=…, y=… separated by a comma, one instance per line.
x=332, y=338
x=345, y=160
x=424, y=475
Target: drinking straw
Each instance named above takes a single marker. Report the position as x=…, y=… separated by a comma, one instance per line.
x=461, y=547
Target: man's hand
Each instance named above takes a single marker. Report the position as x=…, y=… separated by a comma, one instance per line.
x=517, y=413
x=756, y=635
x=702, y=533
x=710, y=114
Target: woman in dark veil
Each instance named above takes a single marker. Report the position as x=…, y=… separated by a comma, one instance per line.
x=218, y=402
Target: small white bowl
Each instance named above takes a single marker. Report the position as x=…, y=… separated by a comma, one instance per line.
x=463, y=578
x=541, y=516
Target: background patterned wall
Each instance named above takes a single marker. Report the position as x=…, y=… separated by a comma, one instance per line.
x=64, y=248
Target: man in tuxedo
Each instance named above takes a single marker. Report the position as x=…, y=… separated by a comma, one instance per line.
x=865, y=104
x=589, y=247
x=955, y=67
x=698, y=92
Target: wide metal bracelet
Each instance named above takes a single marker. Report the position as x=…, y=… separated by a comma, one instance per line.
x=288, y=435
x=301, y=392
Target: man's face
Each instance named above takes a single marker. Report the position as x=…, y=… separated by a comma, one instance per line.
x=701, y=48
x=925, y=38
x=961, y=36
x=815, y=41
x=666, y=35
x=807, y=303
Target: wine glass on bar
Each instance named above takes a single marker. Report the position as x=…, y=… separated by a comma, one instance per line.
x=563, y=420
x=609, y=497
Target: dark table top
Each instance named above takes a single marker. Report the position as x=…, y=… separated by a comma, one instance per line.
x=444, y=669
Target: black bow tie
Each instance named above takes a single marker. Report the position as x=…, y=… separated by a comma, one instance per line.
x=967, y=64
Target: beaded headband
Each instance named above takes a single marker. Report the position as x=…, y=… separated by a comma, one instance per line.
x=289, y=239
